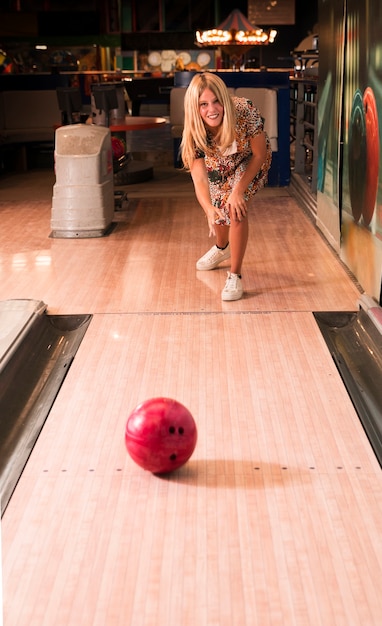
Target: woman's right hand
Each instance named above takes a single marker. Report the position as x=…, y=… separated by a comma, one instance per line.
x=200, y=180
x=212, y=215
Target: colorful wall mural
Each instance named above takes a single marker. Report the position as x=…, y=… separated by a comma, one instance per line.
x=349, y=193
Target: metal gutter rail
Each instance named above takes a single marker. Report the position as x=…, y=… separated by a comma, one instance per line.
x=355, y=343
x=36, y=351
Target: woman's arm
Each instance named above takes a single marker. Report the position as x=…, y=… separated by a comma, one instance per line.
x=202, y=191
x=236, y=201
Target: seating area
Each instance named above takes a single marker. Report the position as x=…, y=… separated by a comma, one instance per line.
x=27, y=117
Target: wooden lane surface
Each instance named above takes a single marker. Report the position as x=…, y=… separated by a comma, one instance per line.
x=148, y=262
x=275, y=520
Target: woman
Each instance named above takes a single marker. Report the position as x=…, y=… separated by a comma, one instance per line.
x=228, y=154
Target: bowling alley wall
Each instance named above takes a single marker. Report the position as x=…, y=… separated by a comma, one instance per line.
x=349, y=188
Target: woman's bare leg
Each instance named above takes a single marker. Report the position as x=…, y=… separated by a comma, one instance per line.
x=238, y=243
x=222, y=235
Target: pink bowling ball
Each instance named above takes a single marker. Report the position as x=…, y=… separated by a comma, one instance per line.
x=160, y=435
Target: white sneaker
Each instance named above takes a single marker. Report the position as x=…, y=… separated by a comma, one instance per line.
x=212, y=258
x=233, y=289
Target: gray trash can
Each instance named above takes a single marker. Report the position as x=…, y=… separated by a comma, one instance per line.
x=83, y=194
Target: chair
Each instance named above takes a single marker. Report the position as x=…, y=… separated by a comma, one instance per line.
x=105, y=100
x=70, y=104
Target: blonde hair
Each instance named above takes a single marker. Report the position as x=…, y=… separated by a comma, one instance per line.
x=194, y=132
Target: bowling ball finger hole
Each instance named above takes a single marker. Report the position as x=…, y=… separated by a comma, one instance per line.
x=172, y=457
x=172, y=430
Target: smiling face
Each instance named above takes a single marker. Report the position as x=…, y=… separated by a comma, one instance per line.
x=211, y=111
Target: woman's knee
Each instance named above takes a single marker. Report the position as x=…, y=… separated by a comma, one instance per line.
x=240, y=226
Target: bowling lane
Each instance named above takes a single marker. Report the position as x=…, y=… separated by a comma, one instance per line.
x=274, y=520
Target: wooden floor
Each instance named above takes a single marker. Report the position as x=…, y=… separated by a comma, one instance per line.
x=277, y=517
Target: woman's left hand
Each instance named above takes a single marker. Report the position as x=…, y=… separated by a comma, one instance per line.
x=237, y=206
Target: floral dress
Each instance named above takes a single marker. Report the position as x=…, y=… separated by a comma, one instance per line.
x=224, y=170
